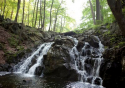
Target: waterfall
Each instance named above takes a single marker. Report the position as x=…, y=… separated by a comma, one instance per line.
x=38, y=54
x=87, y=62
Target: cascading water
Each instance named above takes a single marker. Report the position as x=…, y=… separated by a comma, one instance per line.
x=39, y=53
x=87, y=62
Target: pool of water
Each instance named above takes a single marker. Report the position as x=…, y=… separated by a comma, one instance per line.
x=17, y=80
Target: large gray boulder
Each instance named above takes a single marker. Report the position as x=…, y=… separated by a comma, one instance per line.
x=57, y=61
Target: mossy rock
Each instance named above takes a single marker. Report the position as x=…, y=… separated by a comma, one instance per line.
x=13, y=41
x=121, y=44
x=1, y=46
x=10, y=57
x=13, y=57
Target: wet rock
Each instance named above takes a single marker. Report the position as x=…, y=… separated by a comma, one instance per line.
x=97, y=81
x=69, y=33
x=89, y=79
x=93, y=41
x=33, y=61
x=27, y=80
x=88, y=68
x=38, y=70
x=88, y=52
x=1, y=86
x=57, y=61
x=80, y=45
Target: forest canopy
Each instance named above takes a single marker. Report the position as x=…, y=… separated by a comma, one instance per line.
x=51, y=15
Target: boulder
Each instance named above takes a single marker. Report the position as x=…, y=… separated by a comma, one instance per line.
x=57, y=61
x=38, y=70
x=93, y=41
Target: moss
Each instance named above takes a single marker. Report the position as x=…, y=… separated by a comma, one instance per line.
x=20, y=48
x=112, y=39
x=107, y=33
x=116, y=47
x=98, y=31
x=10, y=57
x=13, y=41
x=121, y=44
x=108, y=26
x=1, y=46
x=123, y=11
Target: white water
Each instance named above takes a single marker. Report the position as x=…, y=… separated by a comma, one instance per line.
x=80, y=62
x=42, y=50
x=40, y=58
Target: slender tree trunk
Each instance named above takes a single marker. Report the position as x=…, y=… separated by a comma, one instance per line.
x=61, y=29
x=12, y=12
x=4, y=6
x=28, y=11
x=102, y=17
x=115, y=6
x=1, y=7
x=98, y=16
x=50, y=14
x=36, y=12
x=41, y=12
x=93, y=14
x=6, y=14
x=18, y=7
x=56, y=16
x=23, y=11
x=44, y=14
x=63, y=24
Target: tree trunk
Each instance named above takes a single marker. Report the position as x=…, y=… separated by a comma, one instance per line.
x=6, y=14
x=44, y=15
x=41, y=12
x=56, y=16
x=12, y=12
x=36, y=12
x=50, y=14
x=28, y=12
x=18, y=7
x=116, y=8
x=1, y=7
x=101, y=14
x=98, y=15
x=23, y=11
x=4, y=6
x=93, y=14
x=61, y=28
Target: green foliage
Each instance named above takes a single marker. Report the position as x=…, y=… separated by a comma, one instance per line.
x=11, y=9
x=107, y=33
x=108, y=26
x=87, y=20
x=121, y=44
x=123, y=11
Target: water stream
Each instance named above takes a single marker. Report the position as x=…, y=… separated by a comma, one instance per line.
x=86, y=62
